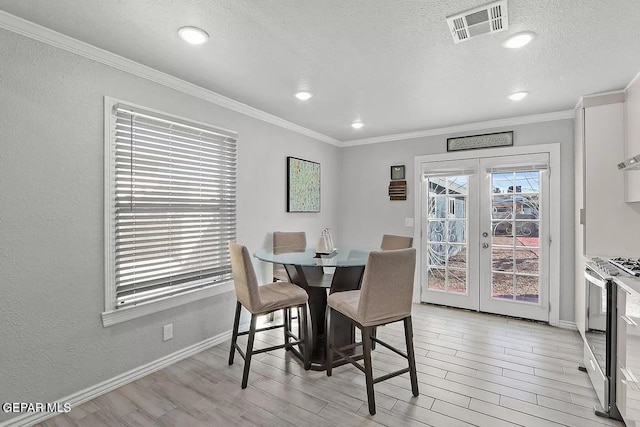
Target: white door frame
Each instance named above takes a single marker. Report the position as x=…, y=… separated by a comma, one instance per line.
x=554, y=212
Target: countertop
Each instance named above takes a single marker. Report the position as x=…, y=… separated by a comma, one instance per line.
x=630, y=283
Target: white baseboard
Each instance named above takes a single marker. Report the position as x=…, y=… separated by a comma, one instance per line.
x=92, y=392
x=564, y=324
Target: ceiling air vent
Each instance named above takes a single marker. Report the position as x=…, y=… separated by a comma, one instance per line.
x=489, y=18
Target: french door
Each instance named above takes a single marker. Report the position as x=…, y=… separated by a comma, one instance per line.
x=485, y=234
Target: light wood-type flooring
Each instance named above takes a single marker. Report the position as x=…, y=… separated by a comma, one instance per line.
x=473, y=369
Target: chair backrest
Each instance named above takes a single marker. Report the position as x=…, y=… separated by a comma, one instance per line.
x=289, y=241
x=244, y=276
x=387, y=285
x=391, y=242
x=284, y=242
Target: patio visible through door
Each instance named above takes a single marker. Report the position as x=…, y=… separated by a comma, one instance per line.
x=485, y=234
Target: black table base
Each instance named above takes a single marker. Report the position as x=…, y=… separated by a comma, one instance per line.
x=313, y=281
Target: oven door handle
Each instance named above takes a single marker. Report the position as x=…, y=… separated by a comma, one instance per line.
x=595, y=280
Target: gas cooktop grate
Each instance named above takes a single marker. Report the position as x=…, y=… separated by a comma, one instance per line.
x=628, y=265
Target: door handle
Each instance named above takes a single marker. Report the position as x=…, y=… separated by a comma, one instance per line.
x=485, y=245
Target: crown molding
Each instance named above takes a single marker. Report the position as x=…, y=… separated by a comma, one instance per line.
x=489, y=124
x=37, y=32
x=601, y=98
x=632, y=82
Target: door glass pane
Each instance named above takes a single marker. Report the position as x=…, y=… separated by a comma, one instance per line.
x=458, y=256
x=437, y=185
x=502, y=259
x=502, y=183
x=502, y=285
x=528, y=207
x=528, y=182
x=447, y=234
x=502, y=206
x=527, y=288
x=502, y=228
x=529, y=230
x=458, y=207
x=457, y=232
x=437, y=207
x=437, y=256
x=527, y=261
x=436, y=279
x=457, y=281
x=437, y=231
x=515, y=243
x=457, y=185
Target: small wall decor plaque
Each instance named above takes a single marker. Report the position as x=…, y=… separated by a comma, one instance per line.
x=489, y=140
x=397, y=172
x=398, y=190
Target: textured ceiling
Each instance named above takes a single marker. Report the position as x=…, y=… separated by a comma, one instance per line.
x=391, y=64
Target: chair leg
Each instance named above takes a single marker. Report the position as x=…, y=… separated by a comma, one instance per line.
x=368, y=369
x=249, y=353
x=408, y=335
x=303, y=332
x=234, y=335
x=329, y=343
x=286, y=314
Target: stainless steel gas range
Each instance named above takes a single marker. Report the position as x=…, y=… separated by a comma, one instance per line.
x=600, y=333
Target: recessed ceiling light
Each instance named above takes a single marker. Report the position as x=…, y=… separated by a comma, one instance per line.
x=193, y=35
x=303, y=95
x=518, y=40
x=517, y=96
x=357, y=125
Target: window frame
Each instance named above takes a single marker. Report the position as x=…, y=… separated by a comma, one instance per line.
x=111, y=314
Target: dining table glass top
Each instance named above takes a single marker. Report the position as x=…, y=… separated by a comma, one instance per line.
x=341, y=257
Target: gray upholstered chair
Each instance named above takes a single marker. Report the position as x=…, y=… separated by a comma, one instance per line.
x=284, y=242
x=390, y=242
x=385, y=297
x=259, y=300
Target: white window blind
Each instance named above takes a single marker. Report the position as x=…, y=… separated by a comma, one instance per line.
x=447, y=173
x=173, y=207
x=534, y=167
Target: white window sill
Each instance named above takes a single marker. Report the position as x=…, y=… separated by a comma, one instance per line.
x=114, y=317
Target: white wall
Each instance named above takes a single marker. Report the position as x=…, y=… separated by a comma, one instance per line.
x=632, y=137
x=366, y=212
x=52, y=342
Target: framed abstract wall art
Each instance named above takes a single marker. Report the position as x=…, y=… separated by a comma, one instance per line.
x=303, y=185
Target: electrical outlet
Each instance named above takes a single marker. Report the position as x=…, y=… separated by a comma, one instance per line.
x=167, y=332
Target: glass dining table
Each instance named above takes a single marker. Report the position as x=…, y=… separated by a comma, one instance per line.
x=307, y=270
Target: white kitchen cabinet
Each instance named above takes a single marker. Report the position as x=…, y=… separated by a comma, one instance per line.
x=609, y=223
x=603, y=183
x=605, y=224
x=628, y=354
